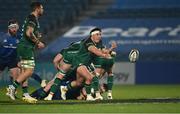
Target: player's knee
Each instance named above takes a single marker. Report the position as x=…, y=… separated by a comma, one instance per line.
x=89, y=78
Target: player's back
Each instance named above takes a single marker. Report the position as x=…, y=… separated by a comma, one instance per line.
x=33, y=22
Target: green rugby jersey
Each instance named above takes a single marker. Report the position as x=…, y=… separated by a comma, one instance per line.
x=84, y=56
x=32, y=21
x=73, y=47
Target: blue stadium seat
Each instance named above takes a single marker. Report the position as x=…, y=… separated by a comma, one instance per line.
x=56, y=11
x=143, y=4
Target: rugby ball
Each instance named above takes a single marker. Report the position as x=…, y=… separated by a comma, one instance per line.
x=133, y=55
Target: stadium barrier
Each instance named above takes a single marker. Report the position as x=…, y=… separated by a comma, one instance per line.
x=142, y=72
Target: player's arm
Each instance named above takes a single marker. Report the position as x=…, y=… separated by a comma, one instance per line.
x=109, y=50
x=97, y=52
x=57, y=60
x=32, y=37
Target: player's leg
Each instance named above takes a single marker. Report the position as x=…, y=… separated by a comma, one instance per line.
x=18, y=81
x=26, y=97
x=38, y=79
x=13, y=68
x=43, y=92
x=25, y=88
x=2, y=67
x=48, y=86
x=84, y=72
x=70, y=76
x=37, y=94
x=64, y=67
x=82, y=95
x=109, y=70
x=95, y=82
x=27, y=64
x=73, y=84
x=14, y=72
x=95, y=86
x=21, y=78
x=110, y=84
x=107, y=66
x=99, y=71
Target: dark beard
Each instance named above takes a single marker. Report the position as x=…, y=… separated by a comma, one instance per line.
x=12, y=33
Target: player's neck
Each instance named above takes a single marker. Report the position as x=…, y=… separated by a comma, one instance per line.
x=93, y=41
x=35, y=14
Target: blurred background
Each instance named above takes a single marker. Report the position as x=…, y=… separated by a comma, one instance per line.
x=151, y=26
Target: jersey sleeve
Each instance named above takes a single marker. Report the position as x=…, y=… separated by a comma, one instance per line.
x=31, y=21
x=88, y=43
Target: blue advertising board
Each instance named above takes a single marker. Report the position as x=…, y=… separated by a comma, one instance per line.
x=152, y=35
x=157, y=72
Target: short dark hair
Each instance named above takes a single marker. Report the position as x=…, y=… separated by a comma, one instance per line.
x=95, y=29
x=35, y=5
x=12, y=21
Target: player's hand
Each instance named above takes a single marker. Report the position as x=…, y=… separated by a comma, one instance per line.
x=107, y=56
x=39, y=35
x=113, y=45
x=105, y=51
x=40, y=45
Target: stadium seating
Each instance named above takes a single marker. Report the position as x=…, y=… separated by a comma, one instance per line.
x=141, y=8
x=144, y=4
x=57, y=12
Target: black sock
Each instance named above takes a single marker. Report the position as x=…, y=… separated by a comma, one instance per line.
x=36, y=77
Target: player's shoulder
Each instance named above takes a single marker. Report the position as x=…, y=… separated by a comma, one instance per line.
x=4, y=35
x=88, y=41
x=31, y=17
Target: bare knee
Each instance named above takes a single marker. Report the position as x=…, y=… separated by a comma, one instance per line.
x=83, y=71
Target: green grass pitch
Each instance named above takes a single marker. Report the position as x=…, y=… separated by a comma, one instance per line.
x=127, y=99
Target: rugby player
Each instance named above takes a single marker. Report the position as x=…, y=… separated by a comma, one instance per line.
x=104, y=65
x=8, y=55
x=81, y=59
x=30, y=39
x=8, y=45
